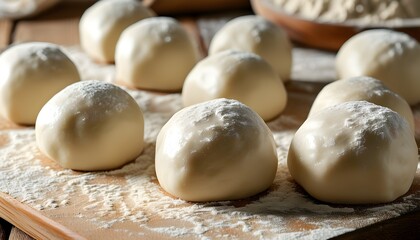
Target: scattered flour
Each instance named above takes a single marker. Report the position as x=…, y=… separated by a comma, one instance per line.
x=131, y=195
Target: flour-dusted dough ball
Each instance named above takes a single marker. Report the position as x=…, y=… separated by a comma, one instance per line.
x=392, y=57
x=30, y=74
x=257, y=35
x=102, y=24
x=243, y=76
x=217, y=150
x=362, y=89
x=156, y=54
x=354, y=153
x=91, y=125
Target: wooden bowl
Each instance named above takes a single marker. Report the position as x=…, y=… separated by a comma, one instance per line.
x=323, y=35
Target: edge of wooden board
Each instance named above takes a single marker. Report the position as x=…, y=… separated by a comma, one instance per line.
x=31, y=221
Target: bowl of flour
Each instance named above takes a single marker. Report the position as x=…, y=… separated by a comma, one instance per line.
x=328, y=24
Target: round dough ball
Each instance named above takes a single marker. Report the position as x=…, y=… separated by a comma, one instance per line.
x=257, y=35
x=155, y=54
x=102, y=24
x=392, y=57
x=354, y=153
x=362, y=89
x=91, y=125
x=30, y=74
x=217, y=150
x=243, y=76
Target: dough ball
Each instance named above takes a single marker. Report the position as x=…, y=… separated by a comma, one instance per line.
x=362, y=89
x=392, y=57
x=243, y=76
x=30, y=74
x=91, y=125
x=354, y=153
x=257, y=35
x=156, y=54
x=102, y=24
x=217, y=150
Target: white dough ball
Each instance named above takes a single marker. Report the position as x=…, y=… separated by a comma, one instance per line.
x=354, y=153
x=243, y=76
x=30, y=74
x=155, y=54
x=392, y=57
x=257, y=35
x=102, y=24
x=217, y=150
x=91, y=125
x=362, y=89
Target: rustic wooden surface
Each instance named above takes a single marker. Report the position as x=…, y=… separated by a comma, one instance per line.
x=57, y=25
x=60, y=25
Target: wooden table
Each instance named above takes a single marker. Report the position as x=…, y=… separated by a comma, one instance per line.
x=64, y=19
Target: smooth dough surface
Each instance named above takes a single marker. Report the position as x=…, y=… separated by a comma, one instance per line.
x=257, y=35
x=155, y=54
x=243, y=76
x=362, y=89
x=102, y=24
x=91, y=125
x=30, y=74
x=354, y=153
x=392, y=57
x=217, y=150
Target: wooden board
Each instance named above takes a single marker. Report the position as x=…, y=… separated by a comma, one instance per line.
x=5, y=32
x=5, y=228
x=77, y=218
x=58, y=25
x=47, y=201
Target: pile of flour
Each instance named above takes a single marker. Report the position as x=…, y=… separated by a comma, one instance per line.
x=356, y=11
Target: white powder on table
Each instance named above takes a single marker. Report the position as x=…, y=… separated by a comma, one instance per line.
x=131, y=196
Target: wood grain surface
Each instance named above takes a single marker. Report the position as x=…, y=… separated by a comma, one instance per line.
x=40, y=226
x=58, y=25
